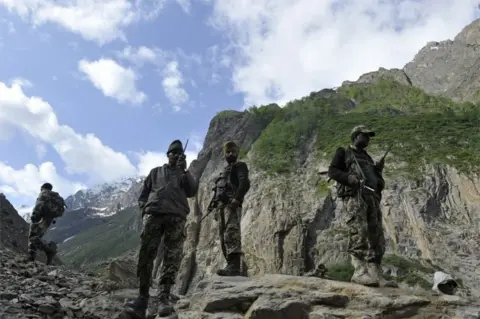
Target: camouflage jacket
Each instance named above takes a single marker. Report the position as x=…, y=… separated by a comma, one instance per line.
x=49, y=204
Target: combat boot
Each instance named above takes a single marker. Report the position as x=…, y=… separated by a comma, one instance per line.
x=165, y=308
x=361, y=274
x=376, y=272
x=137, y=309
x=51, y=252
x=233, y=266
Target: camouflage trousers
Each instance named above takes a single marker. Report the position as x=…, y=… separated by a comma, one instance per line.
x=229, y=230
x=171, y=229
x=35, y=234
x=364, y=221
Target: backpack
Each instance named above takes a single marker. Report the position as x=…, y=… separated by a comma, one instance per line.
x=49, y=205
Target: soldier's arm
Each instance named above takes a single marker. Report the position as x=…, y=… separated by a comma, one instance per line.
x=243, y=181
x=189, y=184
x=147, y=187
x=338, y=169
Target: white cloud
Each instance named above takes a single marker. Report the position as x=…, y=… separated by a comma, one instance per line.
x=172, y=85
x=41, y=150
x=27, y=181
x=101, y=21
x=285, y=49
x=113, y=80
x=148, y=160
x=141, y=55
x=82, y=154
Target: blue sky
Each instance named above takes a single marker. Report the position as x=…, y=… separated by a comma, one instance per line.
x=92, y=91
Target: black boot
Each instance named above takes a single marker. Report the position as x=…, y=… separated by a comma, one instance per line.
x=233, y=266
x=137, y=309
x=51, y=252
x=165, y=307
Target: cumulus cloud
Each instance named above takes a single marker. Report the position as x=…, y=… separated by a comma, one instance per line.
x=101, y=21
x=141, y=55
x=172, y=85
x=113, y=80
x=82, y=154
x=285, y=49
x=148, y=160
x=27, y=180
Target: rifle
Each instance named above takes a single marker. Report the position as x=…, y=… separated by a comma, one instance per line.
x=386, y=153
x=211, y=207
x=362, y=174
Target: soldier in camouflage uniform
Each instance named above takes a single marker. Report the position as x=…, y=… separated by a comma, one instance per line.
x=230, y=190
x=49, y=205
x=360, y=184
x=164, y=206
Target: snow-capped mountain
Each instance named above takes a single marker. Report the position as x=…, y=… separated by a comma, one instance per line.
x=108, y=198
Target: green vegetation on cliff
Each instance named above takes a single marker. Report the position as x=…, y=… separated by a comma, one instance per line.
x=423, y=128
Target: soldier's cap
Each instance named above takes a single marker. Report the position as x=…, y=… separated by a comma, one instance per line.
x=362, y=129
x=230, y=145
x=175, y=146
x=47, y=186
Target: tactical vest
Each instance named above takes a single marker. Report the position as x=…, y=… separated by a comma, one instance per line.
x=224, y=188
x=366, y=165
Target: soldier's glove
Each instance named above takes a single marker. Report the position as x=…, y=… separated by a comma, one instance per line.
x=353, y=180
x=181, y=162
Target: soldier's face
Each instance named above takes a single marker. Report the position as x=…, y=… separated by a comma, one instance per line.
x=362, y=140
x=173, y=157
x=231, y=155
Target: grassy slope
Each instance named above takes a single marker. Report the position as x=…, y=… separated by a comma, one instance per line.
x=423, y=128
x=101, y=242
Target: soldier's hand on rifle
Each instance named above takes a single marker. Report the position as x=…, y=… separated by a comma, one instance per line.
x=353, y=179
x=181, y=162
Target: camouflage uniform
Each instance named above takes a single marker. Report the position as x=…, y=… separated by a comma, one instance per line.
x=164, y=206
x=361, y=203
x=171, y=228
x=230, y=190
x=49, y=205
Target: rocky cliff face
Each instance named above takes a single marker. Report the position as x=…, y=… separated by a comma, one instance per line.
x=289, y=226
x=448, y=68
x=13, y=229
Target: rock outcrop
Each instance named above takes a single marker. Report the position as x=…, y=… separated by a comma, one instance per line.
x=449, y=68
x=35, y=290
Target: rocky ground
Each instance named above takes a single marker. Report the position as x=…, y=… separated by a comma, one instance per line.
x=34, y=290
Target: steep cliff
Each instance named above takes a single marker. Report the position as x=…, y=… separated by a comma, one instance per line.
x=292, y=220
